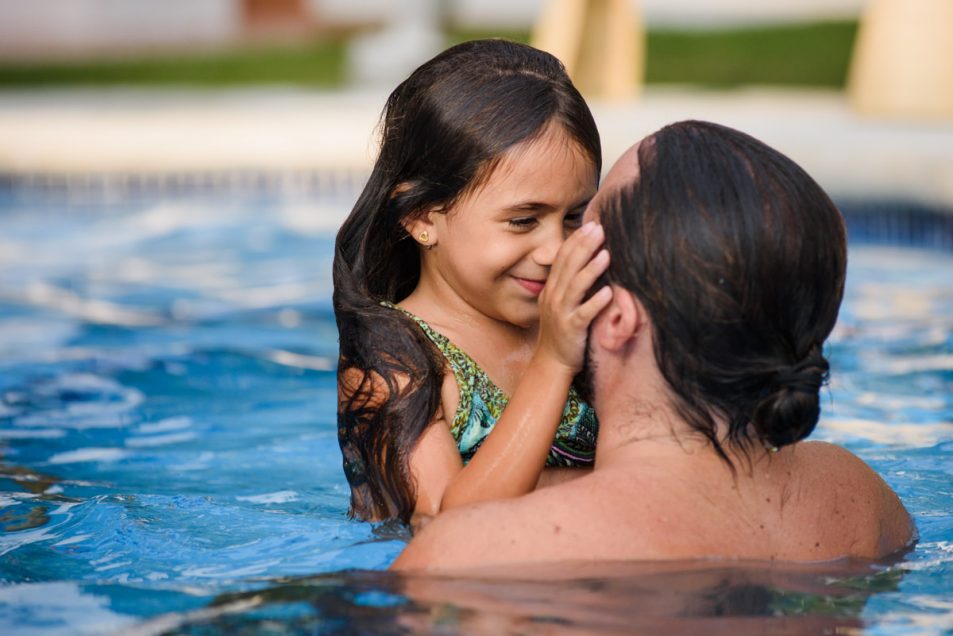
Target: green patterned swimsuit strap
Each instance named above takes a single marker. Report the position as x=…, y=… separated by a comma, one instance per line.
x=476, y=388
x=450, y=351
x=441, y=341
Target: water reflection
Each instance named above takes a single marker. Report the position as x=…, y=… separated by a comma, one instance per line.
x=30, y=499
x=685, y=597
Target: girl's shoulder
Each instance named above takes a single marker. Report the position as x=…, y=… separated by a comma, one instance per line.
x=438, y=338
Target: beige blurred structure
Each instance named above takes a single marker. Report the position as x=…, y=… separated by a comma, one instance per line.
x=903, y=59
x=601, y=42
x=83, y=29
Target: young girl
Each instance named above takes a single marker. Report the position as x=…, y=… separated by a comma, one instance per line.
x=459, y=336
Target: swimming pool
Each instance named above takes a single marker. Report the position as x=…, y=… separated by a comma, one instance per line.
x=168, y=459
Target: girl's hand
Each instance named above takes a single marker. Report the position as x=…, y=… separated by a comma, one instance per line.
x=564, y=317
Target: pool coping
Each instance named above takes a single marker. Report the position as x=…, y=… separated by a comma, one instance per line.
x=80, y=136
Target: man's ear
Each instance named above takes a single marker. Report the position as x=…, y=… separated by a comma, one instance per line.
x=621, y=321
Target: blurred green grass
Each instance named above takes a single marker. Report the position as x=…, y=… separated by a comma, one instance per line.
x=814, y=54
x=796, y=55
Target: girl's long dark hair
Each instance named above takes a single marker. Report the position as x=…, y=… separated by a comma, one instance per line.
x=442, y=132
x=739, y=258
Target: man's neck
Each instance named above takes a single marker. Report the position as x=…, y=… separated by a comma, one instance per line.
x=636, y=417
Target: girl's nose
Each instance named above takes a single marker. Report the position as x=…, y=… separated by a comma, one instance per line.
x=545, y=252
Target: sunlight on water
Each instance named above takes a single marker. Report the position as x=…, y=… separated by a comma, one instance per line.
x=169, y=461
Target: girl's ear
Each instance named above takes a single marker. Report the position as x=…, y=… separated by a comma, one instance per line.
x=421, y=228
x=621, y=321
x=419, y=225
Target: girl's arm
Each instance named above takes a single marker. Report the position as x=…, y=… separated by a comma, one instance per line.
x=511, y=459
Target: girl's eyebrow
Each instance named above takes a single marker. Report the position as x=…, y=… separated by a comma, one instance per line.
x=529, y=205
x=542, y=205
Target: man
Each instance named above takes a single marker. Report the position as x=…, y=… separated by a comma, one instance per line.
x=727, y=273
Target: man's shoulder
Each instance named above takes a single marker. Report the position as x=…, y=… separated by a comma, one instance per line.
x=857, y=493
x=822, y=458
x=832, y=468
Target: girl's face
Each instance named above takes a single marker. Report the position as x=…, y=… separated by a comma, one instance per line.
x=495, y=246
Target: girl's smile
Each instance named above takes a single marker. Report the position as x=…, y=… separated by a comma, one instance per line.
x=535, y=287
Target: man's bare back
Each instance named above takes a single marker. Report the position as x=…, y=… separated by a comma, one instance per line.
x=811, y=502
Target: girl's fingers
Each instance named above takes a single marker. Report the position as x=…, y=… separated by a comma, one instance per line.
x=580, y=285
x=575, y=253
x=591, y=308
x=578, y=249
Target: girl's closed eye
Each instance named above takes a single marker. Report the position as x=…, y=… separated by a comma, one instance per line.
x=523, y=222
x=573, y=220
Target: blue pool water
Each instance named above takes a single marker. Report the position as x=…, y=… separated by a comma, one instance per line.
x=168, y=459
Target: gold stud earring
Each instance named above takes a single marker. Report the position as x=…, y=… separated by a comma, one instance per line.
x=424, y=237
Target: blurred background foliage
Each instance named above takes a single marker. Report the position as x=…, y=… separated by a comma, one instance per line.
x=814, y=54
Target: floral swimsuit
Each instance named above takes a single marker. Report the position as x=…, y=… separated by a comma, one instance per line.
x=482, y=403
